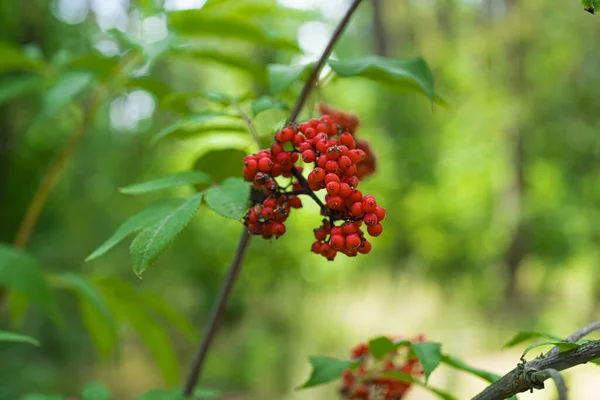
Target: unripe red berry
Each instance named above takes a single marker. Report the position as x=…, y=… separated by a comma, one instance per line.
x=333, y=188
x=335, y=202
x=267, y=213
x=348, y=228
x=370, y=219
x=308, y=156
x=316, y=247
x=265, y=164
x=331, y=177
x=337, y=242
x=375, y=230
x=380, y=212
x=369, y=203
x=353, y=241
x=347, y=140
x=357, y=209
x=331, y=166
x=278, y=229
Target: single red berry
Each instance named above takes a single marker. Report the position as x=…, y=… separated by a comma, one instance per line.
x=276, y=149
x=336, y=230
x=375, y=230
x=265, y=164
x=333, y=188
x=347, y=140
x=321, y=146
x=305, y=146
x=278, y=229
x=353, y=241
x=310, y=133
x=370, y=219
x=331, y=166
x=380, y=212
x=322, y=128
x=337, y=242
x=356, y=155
x=322, y=160
x=352, y=181
x=308, y=156
x=357, y=209
x=287, y=135
x=335, y=202
x=298, y=139
x=316, y=247
x=344, y=162
x=345, y=190
x=284, y=159
x=331, y=177
x=270, y=202
x=350, y=171
x=333, y=153
x=349, y=228
x=365, y=248
x=277, y=170
x=252, y=165
x=320, y=234
x=369, y=203
x=304, y=126
x=318, y=174
x=355, y=196
x=267, y=213
x=295, y=202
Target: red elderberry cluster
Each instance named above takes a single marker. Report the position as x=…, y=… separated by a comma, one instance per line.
x=339, y=163
x=369, y=381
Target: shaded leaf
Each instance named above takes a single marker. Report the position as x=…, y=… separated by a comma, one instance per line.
x=230, y=199
x=17, y=86
x=187, y=120
x=173, y=317
x=523, y=336
x=460, y=365
x=563, y=346
x=401, y=75
x=95, y=61
x=136, y=223
x=13, y=337
x=429, y=354
x=157, y=88
x=20, y=272
x=95, y=391
x=265, y=103
x=153, y=240
x=325, y=369
x=381, y=346
x=12, y=58
x=282, y=76
x=170, y=181
x=228, y=160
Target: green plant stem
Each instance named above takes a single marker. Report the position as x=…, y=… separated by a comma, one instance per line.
x=236, y=264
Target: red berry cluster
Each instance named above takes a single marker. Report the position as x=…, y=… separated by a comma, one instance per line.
x=369, y=381
x=329, y=145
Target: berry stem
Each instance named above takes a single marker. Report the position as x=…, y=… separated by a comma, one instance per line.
x=314, y=76
x=217, y=311
x=236, y=264
x=304, y=183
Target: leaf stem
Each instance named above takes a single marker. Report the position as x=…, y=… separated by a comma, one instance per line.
x=236, y=264
x=249, y=123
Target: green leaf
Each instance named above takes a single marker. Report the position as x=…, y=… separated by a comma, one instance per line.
x=381, y=346
x=188, y=120
x=13, y=58
x=265, y=103
x=159, y=89
x=228, y=161
x=404, y=377
x=175, y=394
x=460, y=365
x=563, y=346
x=97, y=62
x=199, y=23
x=325, y=369
x=20, y=272
x=17, y=86
x=401, y=75
x=523, y=336
x=96, y=315
x=95, y=391
x=170, y=181
x=591, y=6
x=34, y=396
x=153, y=240
x=12, y=337
x=173, y=317
x=136, y=223
x=429, y=354
x=230, y=199
x=282, y=76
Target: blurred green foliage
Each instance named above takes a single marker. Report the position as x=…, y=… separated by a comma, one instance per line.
x=491, y=201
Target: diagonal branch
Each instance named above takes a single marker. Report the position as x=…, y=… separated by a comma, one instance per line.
x=193, y=375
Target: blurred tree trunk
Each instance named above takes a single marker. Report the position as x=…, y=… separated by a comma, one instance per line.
x=517, y=247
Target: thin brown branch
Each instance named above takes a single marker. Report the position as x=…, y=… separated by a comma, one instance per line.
x=236, y=264
x=314, y=76
x=538, y=378
x=527, y=376
x=583, y=332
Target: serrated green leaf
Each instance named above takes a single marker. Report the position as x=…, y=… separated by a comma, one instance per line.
x=325, y=369
x=136, y=223
x=400, y=75
x=13, y=337
x=166, y=182
x=95, y=391
x=199, y=23
x=265, y=103
x=17, y=86
x=230, y=199
x=153, y=240
x=563, y=346
x=283, y=76
x=429, y=354
x=96, y=315
x=460, y=365
x=523, y=336
x=20, y=272
x=193, y=119
x=403, y=377
x=381, y=346
x=13, y=58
